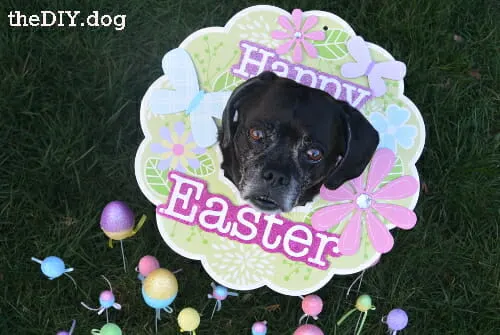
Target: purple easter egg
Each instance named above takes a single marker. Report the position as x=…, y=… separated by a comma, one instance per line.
x=117, y=217
x=397, y=319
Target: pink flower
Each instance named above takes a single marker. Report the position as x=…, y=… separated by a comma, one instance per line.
x=364, y=202
x=297, y=36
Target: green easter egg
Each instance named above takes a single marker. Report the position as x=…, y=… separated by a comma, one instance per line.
x=364, y=303
x=111, y=329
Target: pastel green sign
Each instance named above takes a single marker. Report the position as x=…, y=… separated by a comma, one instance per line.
x=201, y=215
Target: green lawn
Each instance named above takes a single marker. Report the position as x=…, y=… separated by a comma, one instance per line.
x=69, y=102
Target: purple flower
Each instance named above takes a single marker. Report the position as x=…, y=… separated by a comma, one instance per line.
x=177, y=150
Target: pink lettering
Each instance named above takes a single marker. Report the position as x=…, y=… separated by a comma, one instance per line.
x=190, y=203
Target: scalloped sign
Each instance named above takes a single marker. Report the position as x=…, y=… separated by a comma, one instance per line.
x=200, y=214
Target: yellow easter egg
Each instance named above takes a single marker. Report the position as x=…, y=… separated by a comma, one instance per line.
x=118, y=235
x=188, y=319
x=160, y=284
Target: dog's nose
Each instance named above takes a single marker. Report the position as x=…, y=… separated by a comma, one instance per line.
x=275, y=178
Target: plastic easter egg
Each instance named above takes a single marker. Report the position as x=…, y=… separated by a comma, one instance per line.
x=364, y=303
x=106, y=299
x=117, y=220
x=397, y=319
x=63, y=333
x=259, y=328
x=188, y=319
x=157, y=303
x=108, y=329
x=160, y=284
x=147, y=264
x=220, y=292
x=312, y=305
x=53, y=267
x=308, y=330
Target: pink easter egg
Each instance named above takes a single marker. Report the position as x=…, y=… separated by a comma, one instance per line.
x=147, y=264
x=259, y=328
x=117, y=217
x=312, y=305
x=308, y=330
x=106, y=296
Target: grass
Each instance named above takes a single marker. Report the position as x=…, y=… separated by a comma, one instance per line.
x=69, y=125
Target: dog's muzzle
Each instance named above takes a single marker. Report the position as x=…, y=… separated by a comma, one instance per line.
x=273, y=192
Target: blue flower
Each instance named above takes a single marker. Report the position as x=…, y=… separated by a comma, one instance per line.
x=392, y=129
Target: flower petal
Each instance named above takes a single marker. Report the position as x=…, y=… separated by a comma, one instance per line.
x=327, y=217
x=379, y=122
x=358, y=184
x=378, y=233
x=351, y=236
x=342, y=193
x=179, y=128
x=310, y=49
x=297, y=53
x=165, y=134
x=285, y=23
x=157, y=148
x=310, y=22
x=315, y=35
x=387, y=141
x=194, y=163
x=184, y=137
x=397, y=116
x=405, y=136
x=281, y=35
x=297, y=18
x=399, y=216
x=285, y=47
x=400, y=188
x=164, y=164
x=381, y=164
x=198, y=150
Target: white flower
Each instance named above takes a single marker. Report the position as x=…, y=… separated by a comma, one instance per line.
x=242, y=264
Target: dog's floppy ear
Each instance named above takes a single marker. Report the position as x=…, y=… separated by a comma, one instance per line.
x=230, y=114
x=361, y=142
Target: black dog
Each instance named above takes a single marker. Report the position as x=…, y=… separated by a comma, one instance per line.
x=281, y=141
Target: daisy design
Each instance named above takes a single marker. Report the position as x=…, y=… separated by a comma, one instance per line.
x=242, y=264
x=364, y=201
x=177, y=149
x=297, y=35
x=392, y=128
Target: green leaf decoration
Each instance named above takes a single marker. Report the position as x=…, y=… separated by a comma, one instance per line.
x=334, y=45
x=396, y=172
x=156, y=178
x=226, y=82
x=206, y=166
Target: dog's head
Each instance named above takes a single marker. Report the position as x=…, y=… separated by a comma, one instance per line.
x=281, y=141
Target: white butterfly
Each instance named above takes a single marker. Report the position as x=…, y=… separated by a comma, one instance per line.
x=201, y=106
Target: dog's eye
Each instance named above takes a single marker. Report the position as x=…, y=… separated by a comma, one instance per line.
x=256, y=134
x=314, y=155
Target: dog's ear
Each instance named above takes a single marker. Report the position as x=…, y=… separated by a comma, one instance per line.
x=361, y=142
x=230, y=114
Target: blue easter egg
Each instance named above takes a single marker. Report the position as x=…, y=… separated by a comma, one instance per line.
x=220, y=292
x=157, y=303
x=53, y=267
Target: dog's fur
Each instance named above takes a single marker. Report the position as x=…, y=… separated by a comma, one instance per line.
x=274, y=174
